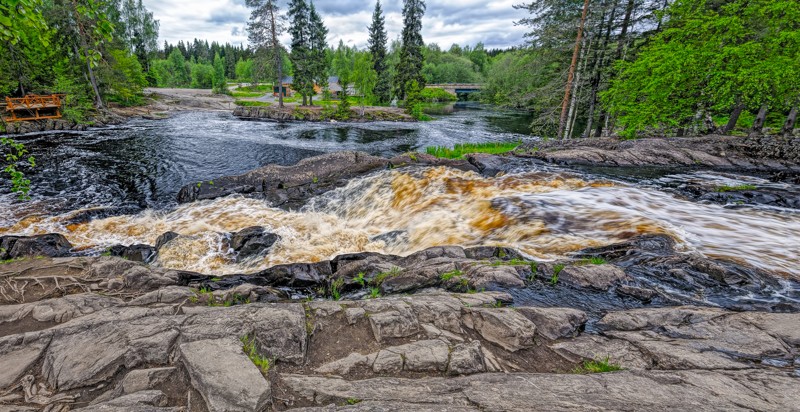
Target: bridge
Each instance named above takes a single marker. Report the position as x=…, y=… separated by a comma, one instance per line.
x=457, y=88
x=33, y=107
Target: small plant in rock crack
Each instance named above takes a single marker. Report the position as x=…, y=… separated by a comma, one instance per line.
x=353, y=401
x=360, y=279
x=336, y=288
x=597, y=366
x=249, y=348
x=556, y=271
x=452, y=274
x=594, y=260
x=374, y=293
x=314, y=179
x=378, y=280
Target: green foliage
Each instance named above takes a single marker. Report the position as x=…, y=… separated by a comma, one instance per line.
x=244, y=70
x=381, y=277
x=251, y=103
x=409, y=65
x=449, y=275
x=597, y=366
x=336, y=288
x=374, y=292
x=736, y=188
x=556, y=271
x=594, y=260
x=219, y=82
x=433, y=95
x=18, y=18
x=125, y=78
x=237, y=93
x=461, y=149
x=364, y=77
x=360, y=279
x=377, y=49
x=249, y=348
x=517, y=262
x=15, y=157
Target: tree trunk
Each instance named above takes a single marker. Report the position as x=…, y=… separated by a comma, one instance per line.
x=563, y=120
x=598, y=68
x=626, y=21
x=98, y=100
x=278, y=58
x=788, y=127
x=758, y=124
x=573, y=106
x=737, y=111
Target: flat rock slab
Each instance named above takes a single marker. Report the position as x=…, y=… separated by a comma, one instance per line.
x=653, y=390
x=225, y=376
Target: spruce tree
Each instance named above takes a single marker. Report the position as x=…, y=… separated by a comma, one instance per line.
x=300, y=29
x=409, y=68
x=318, y=42
x=377, y=47
x=263, y=30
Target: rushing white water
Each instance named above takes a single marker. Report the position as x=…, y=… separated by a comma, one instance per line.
x=544, y=214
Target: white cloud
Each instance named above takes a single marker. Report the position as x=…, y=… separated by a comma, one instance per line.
x=465, y=22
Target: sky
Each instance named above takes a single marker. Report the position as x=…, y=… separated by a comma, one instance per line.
x=465, y=22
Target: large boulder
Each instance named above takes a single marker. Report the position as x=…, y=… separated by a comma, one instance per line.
x=252, y=242
x=51, y=245
x=135, y=253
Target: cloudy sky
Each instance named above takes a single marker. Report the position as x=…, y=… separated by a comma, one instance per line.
x=445, y=22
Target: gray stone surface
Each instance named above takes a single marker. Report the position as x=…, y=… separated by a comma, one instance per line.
x=599, y=277
x=503, y=326
x=555, y=323
x=224, y=376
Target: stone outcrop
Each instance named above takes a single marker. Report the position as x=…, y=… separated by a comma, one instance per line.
x=292, y=186
x=722, y=152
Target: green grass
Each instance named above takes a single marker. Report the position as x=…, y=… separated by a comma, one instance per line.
x=237, y=93
x=459, y=150
x=737, y=188
x=3, y=262
x=379, y=278
x=252, y=103
x=249, y=348
x=374, y=293
x=360, y=279
x=449, y=275
x=597, y=366
x=594, y=260
x=556, y=271
x=260, y=88
x=336, y=289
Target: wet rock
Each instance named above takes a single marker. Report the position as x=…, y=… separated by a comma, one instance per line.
x=224, y=376
x=555, y=323
x=295, y=275
x=252, y=242
x=720, y=152
x=393, y=238
x=488, y=165
x=164, y=238
x=134, y=253
x=51, y=245
x=503, y=326
x=601, y=277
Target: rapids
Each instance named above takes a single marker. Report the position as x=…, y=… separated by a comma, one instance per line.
x=545, y=212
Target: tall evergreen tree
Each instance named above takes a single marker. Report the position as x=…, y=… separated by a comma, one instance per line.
x=300, y=29
x=409, y=68
x=317, y=39
x=263, y=29
x=377, y=47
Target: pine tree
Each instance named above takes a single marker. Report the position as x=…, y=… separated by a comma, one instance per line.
x=377, y=47
x=263, y=30
x=300, y=29
x=318, y=42
x=409, y=68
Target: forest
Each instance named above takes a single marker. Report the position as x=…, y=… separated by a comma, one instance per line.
x=635, y=68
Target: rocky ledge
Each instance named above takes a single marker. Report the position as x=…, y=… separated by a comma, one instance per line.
x=631, y=326
x=721, y=152
x=322, y=114
x=291, y=186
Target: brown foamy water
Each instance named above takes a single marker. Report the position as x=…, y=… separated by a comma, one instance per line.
x=545, y=215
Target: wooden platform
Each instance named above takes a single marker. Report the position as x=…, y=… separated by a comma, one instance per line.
x=33, y=107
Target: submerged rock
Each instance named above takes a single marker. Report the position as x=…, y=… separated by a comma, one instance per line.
x=252, y=242
x=135, y=253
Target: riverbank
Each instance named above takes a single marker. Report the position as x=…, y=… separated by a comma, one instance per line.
x=639, y=321
x=758, y=153
x=323, y=114
x=157, y=104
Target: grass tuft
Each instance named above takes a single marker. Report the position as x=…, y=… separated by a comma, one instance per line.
x=736, y=188
x=597, y=366
x=459, y=150
x=249, y=348
x=594, y=260
x=449, y=275
x=252, y=103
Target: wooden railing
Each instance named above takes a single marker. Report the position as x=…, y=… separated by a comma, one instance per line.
x=31, y=107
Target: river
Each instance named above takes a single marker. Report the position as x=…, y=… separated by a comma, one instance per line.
x=126, y=179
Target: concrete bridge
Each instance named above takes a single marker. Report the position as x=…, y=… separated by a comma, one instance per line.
x=457, y=88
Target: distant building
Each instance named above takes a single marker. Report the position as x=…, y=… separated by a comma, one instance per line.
x=333, y=87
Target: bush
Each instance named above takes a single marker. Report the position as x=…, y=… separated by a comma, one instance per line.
x=434, y=95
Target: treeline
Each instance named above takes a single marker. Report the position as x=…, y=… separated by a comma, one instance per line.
x=654, y=67
x=94, y=52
